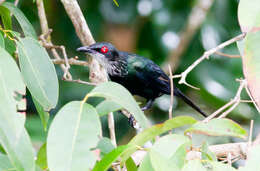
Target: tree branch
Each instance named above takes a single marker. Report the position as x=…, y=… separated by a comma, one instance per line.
x=97, y=72
x=206, y=55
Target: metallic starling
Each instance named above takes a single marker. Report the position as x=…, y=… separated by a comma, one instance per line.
x=139, y=75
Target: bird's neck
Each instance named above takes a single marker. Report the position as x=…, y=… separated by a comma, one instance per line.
x=117, y=67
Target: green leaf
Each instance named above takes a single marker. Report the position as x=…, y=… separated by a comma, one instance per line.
x=150, y=133
x=146, y=164
x=218, y=127
x=130, y=165
x=194, y=165
x=6, y=18
x=73, y=132
x=218, y=166
x=206, y=154
x=42, y=157
x=105, y=146
x=253, y=160
x=13, y=136
x=2, y=41
x=251, y=65
x=160, y=163
x=249, y=15
x=179, y=156
x=108, y=159
x=22, y=20
x=106, y=107
x=38, y=72
x=118, y=94
x=43, y=115
x=5, y=163
x=12, y=81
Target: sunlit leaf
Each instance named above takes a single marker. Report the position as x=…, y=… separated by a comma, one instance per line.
x=253, y=160
x=218, y=166
x=5, y=163
x=160, y=162
x=108, y=159
x=251, y=65
x=130, y=165
x=42, y=157
x=118, y=94
x=6, y=18
x=23, y=21
x=146, y=164
x=249, y=15
x=218, y=127
x=74, y=131
x=194, y=165
x=38, y=72
x=150, y=133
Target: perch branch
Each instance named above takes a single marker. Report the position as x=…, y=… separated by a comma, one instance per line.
x=97, y=72
x=71, y=61
x=172, y=92
x=233, y=103
x=206, y=55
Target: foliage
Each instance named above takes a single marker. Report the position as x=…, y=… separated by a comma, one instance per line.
x=74, y=139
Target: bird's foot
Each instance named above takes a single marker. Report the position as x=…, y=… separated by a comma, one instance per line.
x=132, y=121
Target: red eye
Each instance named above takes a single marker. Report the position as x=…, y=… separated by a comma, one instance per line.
x=104, y=49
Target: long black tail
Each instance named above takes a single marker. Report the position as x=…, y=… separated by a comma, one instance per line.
x=178, y=93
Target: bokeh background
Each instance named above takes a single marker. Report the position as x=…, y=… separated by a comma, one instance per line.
x=151, y=28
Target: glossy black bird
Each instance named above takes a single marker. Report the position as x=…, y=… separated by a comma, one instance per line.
x=139, y=75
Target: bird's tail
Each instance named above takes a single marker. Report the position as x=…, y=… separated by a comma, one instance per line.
x=187, y=100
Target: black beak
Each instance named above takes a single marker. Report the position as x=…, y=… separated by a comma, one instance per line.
x=86, y=49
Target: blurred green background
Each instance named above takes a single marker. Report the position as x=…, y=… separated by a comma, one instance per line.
x=150, y=28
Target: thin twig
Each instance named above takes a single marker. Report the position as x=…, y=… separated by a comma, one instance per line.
x=235, y=101
x=112, y=128
x=206, y=55
x=251, y=97
x=46, y=39
x=71, y=61
x=227, y=55
x=250, y=134
x=172, y=92
x=80, y=82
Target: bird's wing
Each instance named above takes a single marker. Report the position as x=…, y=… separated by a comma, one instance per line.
x=152, y=75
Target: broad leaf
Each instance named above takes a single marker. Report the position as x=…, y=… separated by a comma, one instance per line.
x=253, y=159
x=249, y=15
x=5, y=163
x=118, y=94
x=23, y=21
x=194, y=165
x=251, y=65
x=13, y=136
x=218, y=127
x=6, y=18
x=105, y=146
x=150, y=133
x=106, y=107
x=73, y=132
x=43, y=114
x=38, y=72
x=160, y=162
x=109, y=158
x=42, y=157
x=130, y=165
x=146, y=164
x=218, y=166
x=2, y=41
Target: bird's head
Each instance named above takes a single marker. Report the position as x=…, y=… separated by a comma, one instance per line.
x=103, y=52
